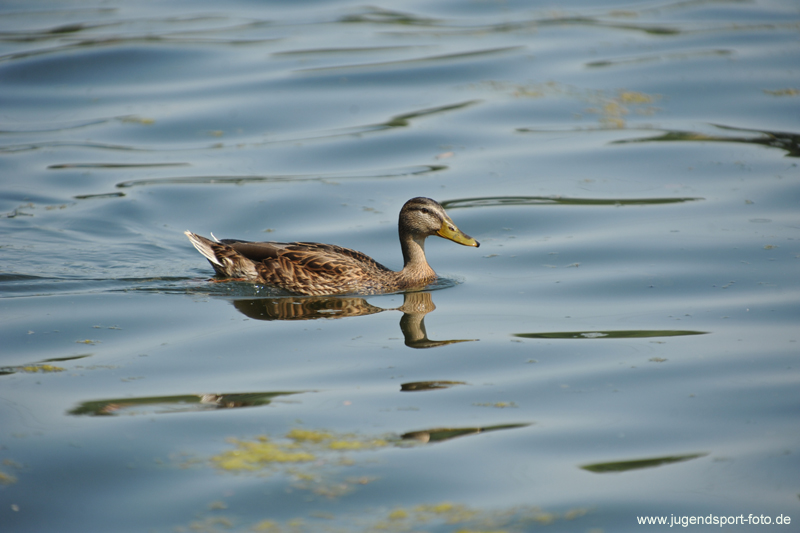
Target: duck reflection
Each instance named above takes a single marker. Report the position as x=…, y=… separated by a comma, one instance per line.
x=415, y=306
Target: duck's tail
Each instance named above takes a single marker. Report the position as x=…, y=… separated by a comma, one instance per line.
x=225, y=260
x=204, y=246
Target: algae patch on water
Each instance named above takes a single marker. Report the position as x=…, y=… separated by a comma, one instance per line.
x=610, y=107
x=298, y=446
x=31, y=369
x=254, y=455
x=312, y=459
x=41, y=368
x=7, y=479
x=437, y=516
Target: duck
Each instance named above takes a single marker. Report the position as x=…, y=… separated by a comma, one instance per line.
x=316, y=269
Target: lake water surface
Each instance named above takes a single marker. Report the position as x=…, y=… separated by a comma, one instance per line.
x=624, y=343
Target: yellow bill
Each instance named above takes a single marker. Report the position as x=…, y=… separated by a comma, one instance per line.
x=451, y=232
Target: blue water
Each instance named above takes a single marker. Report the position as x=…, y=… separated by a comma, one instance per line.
x=623, y=343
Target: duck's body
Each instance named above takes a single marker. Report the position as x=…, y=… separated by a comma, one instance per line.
x=317, y=269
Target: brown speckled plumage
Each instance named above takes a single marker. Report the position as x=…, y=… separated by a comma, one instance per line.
x=317, y=269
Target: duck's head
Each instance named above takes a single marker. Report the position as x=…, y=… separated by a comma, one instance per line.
x=423, y=217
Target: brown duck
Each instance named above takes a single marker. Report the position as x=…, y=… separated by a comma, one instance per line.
x=316, y=269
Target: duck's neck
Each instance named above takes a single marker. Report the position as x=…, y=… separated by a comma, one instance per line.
x=415, y=266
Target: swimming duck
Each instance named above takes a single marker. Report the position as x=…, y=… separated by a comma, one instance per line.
x=325, y=269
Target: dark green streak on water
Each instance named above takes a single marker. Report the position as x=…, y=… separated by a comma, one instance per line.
x=790, y=142
x=638, y=464
x=621, y=334
x=239, y=180
x=497, y=201
x=180, y=403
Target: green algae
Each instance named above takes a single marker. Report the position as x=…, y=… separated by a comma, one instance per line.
x=438, y=516
x=298, y=446
x=41, y=368
x=254, y=455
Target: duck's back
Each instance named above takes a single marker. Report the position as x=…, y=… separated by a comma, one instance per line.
x=315, y=268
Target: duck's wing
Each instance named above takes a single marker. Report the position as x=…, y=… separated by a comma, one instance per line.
x=302, y=267
x=311, y=254
x=310, y=267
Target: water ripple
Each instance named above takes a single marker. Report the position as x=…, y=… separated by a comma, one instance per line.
x=239, y=180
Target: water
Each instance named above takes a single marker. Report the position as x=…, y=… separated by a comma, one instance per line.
x=622, y=344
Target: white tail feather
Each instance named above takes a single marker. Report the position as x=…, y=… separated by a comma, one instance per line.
x=203, y=247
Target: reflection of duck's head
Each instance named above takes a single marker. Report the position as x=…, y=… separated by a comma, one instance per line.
x=415, y=306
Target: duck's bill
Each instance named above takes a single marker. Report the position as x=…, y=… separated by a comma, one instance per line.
x=451, y=232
